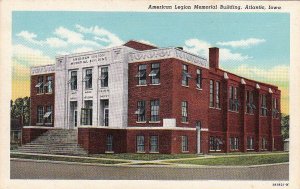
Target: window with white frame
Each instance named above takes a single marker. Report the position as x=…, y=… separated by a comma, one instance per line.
x=233, y=99
x=211, y=93
x=140, y=143
x=234, y=143
x=141, y=75
x=40, y=114
x=49, y=84
x=250, y=143
x=263, y=103
x=73, y=80
x=154, y=110
x=215, y=143
x=184, y=111
x=250, y=107
x=153, y=143
x=218, y=94
x=184, y=144
x=40, y=85
x=155, y=73
x=88, y=79
x=275, y=112
x=109, y=143
x=104, y=77
x=264, y=143
x=48, y=115
x=185, y=75
x=141, y=111
x=199, y=79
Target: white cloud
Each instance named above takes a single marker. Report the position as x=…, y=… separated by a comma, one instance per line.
x=82, y=49
x=56, y=42
x=242, y=43
x=101, y=34
x=201, y=48
x=28, y=36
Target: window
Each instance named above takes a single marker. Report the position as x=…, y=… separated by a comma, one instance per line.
x=234, y=143
x=153, y=143
x=218, y=94
x=155, y=73
x=233, y=99
x=140, y=143
x=141, y=75
x=215, y=143
x=184, y=112
x=275, y=112
x=40, y=114
x=109, y=143
x=40, y=85
x=250, y=145
x=264, y=144
x=185, y=75
x=199, y=79
x=263, y=100
x=184, y=144
x=250, y=107
x=87, y=113
x=154, y=110
x=141, y=112
x=211, y=93
x=73, y=81
x=104, y=77
x=49, y=84
x=48, y=115
x=88, y=79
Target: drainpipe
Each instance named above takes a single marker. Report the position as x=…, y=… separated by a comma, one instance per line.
x=198, y=129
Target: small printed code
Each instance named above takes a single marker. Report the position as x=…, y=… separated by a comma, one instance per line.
x=280, y=184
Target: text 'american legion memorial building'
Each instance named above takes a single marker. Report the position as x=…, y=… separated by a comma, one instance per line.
x=138, y=98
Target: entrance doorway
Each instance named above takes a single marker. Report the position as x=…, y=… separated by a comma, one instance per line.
x=73, y=115
x=104, y=112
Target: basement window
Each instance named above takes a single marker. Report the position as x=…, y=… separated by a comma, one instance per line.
x=140, y=143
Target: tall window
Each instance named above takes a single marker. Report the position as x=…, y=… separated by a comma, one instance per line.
x=250, y=103
x=104, y=77
x=141, y=112
x=141, y=75
x=49, y=84
x=218, y=94
x=264, y=144
x=275, y=112
x=88, y=78
x=48, y=115
x=155, y=73
x=87, y=113
x=263, y=102
x=234, y=143
x=211, y=93
x=199, y=79
x=40, y=114
x=184, y=143
x=233, y=99
x=154, y=110
x=215, y=143
x=250, y=144
x=185, y=75
x=40, y=85
x=109, y=143
x=140, y=143
x=73, y=81
x=153, y=143
x=184, y=112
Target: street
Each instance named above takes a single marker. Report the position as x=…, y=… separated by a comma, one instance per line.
x=45, y=170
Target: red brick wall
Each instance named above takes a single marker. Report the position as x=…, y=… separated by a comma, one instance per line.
x=139, y=46
x=44, y=99
x=29, y=134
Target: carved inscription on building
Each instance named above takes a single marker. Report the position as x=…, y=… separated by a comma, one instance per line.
x=88, y=59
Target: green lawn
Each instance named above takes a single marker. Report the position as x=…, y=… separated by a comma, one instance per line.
x=239, y=160
x=144, y=157
x=68, y=159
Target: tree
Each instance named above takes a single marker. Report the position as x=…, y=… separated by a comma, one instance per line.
x=285, y=126
x=20, y=109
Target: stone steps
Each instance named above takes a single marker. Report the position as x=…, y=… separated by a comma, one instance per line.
x=54, y=142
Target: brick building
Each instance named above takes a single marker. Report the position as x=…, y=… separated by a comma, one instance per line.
x=138, y=98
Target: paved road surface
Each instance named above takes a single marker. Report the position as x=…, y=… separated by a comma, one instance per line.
x=46, y=170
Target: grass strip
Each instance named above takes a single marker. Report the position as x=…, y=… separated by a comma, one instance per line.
x=67, y=159
x=238, y=160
